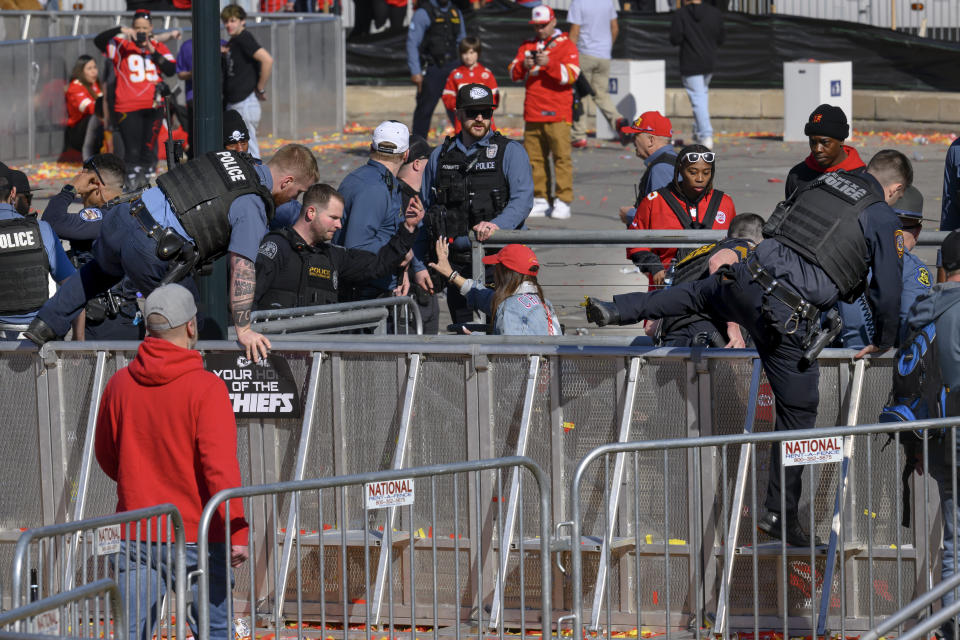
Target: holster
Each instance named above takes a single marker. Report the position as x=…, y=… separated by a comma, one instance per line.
x=815, y=341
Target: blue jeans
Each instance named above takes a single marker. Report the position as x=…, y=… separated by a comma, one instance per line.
x=144, y=582
x=697, y=89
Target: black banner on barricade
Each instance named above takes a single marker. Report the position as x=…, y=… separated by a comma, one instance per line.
x=751, y=58
x=257, y=390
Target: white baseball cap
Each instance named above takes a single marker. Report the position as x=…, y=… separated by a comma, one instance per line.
x=542, y=15
x=391, y=136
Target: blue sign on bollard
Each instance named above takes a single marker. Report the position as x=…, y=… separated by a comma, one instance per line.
x=614, y=86
x=834, y=88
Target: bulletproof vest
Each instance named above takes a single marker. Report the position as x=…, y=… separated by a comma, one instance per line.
x=24, y=265
x=439, y=44
x=307, y=277
x=643, y=189
x=473, y=188
x=200, y=193
x=821, y=223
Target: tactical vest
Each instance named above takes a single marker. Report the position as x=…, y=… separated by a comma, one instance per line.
x=473, y=188
x=200, y=193
x=821, y=223
x=24, y=265
x=307, y=277
x=643, y=188
x=439, y=45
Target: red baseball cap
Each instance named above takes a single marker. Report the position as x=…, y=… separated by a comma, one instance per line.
x=651, y=122
x=542, y=15
x=516, y=257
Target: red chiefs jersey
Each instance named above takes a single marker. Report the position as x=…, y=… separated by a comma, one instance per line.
x=137, y=76
x=655, y=213
x=81, y=102
x=462, y=75
x=549, y=88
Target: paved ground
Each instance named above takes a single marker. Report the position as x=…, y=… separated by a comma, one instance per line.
x=750, y=168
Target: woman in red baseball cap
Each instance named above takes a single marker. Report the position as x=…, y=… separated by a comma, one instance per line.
x=516, y=305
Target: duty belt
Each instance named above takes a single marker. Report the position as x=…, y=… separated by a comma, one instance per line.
x=171, y=246
x=147, y=222
x=800, y=308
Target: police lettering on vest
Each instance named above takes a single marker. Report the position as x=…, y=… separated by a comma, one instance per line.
x=25, y=266
x=821, y=223
x=201, y=191
x=306, y=276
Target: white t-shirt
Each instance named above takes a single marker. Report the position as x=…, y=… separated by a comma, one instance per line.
x=594, y=18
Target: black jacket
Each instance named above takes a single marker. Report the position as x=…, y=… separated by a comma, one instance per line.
x=698, y=30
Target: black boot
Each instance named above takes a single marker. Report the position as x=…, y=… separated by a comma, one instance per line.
x=602, y=313
x=39, y=332
x=796, y=536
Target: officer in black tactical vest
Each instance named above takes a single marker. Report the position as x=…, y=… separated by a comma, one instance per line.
x=478, y=181
x=30, y=253
x=435, y=32
x=300, y=267
x=819, y=247
x=216, y=204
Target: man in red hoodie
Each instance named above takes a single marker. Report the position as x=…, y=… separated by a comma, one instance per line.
x=166, y=433
x=827, y=128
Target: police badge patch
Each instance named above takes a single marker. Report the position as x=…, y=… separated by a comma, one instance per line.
x=492, y=150
x=91, y=215
x=923, y=276
x=898, y=237
x=268, y=249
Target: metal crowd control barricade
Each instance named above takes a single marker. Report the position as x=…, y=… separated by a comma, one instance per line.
x=649, y=532
x=88, y=611
x=342, y=316
x=439, y=527
x=51, y=560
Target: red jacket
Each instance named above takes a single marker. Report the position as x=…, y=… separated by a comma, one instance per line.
x=550, y=88
x=80, y=101
x=166, y=433
x=137, y=75
x=852, y=161
x=462, y=75
x=655, y=213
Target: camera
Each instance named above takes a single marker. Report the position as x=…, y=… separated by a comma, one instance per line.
x=141, y=38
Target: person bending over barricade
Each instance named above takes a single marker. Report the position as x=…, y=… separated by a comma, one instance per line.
x=214, y=205
x=818, y=247
x=299, y=267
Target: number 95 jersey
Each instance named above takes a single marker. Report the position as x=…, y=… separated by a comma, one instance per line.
x=137, y=75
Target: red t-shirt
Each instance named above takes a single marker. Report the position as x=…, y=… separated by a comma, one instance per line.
x=462, y=75
x=137, y=75
x=81, y=102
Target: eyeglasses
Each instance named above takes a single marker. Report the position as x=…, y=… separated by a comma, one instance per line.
x=696, y=156
x=473, y=114
x=91, y=165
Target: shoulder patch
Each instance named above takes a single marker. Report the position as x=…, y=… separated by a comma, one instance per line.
x=457, y=75
x=923, y=276
x=898, y=239
x=721, y=217
x=653, y=195
x=91, y=215
x=268, y=249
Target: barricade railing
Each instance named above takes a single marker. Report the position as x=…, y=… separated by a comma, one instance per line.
x=53, y=559
x=656, y=523
x=403, y=311
x=392, y=550
x=921, y=605
x=92, y=610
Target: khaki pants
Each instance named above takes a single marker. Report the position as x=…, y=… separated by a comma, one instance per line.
x=597, y=73
x=541, y=139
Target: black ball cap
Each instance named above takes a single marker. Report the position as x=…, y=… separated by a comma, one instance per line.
x=950, y=251
x=828, y=120
x=474, y=95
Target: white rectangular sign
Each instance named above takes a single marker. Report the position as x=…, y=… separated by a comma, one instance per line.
x=48, y=623
x=811, y=451
x=108, y=540
x=391, y=493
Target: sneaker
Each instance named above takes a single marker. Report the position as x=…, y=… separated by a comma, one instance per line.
x=707, y=142
x=579, y=144
x=541, y=207
x=561, y=210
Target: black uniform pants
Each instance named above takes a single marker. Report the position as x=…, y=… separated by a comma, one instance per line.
x=434, y=79
x=733, y=296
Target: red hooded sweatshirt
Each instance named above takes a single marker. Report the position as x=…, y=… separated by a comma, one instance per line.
x=166, y=433
x=809, y=170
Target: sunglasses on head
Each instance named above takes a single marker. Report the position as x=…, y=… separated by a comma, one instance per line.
x=696, y=156
x=473, y=114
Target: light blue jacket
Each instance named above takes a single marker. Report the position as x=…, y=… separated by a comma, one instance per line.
x=521, y=314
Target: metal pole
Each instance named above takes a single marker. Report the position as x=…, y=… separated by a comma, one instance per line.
x=207, y=127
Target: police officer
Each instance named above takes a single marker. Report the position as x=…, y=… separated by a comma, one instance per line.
x=29, y=252
x=299, y=266
x=214, y=205
x=112, y=315
x=699, y=329
x=435, y=32
x=857, y=316
x=807, y=262
x=478, y=180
